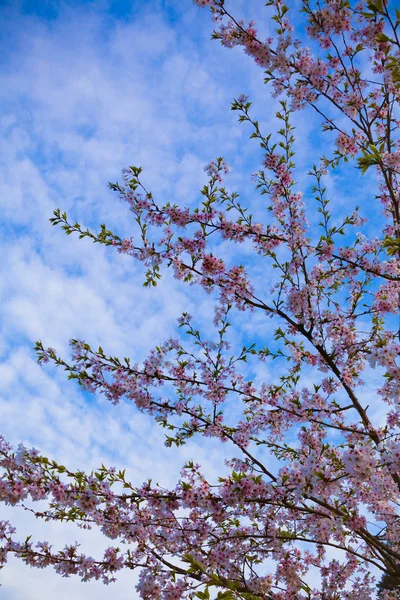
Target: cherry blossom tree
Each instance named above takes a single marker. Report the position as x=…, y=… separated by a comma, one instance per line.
x=308, y=508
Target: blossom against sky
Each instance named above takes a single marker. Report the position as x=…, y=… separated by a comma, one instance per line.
x=89, y=88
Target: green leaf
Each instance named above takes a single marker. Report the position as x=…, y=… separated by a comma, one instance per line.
x=382, y=37
x=203, y=595
x=391, y=245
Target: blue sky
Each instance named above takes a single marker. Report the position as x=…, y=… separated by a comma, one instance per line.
x=87, y=89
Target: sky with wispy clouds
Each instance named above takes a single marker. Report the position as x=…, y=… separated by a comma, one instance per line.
x=88, y=88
